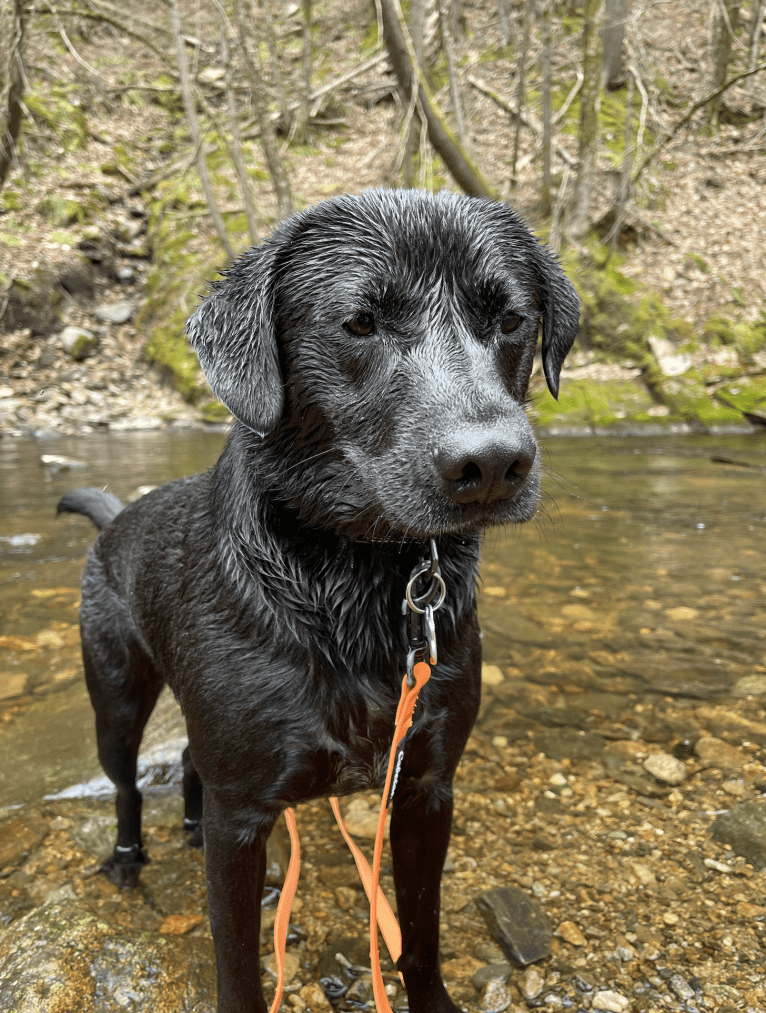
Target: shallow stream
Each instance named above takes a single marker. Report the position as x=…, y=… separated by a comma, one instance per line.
x=641, y=585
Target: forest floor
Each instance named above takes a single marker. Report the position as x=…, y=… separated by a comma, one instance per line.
x=75, y=220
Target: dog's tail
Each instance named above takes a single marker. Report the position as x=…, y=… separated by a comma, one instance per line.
x=101, y=507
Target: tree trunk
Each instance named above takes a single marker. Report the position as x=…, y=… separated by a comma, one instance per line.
x=588, y=135
x=237, y=155
x=300, y=132
x=457, y=20
x=613, y=37
x=279, y=179
x=275, y=67
x=457, y=160
x=415, y=23
x=191, y=116
x=725, y=22
x=520, y=88
x=454, y=84
x=13, y=32
x=545, y=203
x=754, y=39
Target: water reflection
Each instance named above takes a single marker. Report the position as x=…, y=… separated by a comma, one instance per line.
x=643, y=575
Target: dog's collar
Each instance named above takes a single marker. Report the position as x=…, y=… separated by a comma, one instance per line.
x=389, y=539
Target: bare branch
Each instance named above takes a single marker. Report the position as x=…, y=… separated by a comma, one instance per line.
x=688, y=115
x=191, y=115
x=279, y=177
x=235, y=148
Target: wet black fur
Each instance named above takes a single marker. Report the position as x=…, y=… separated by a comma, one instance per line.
x=267, y=592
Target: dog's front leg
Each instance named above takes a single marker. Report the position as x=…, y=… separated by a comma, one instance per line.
x=236, y=871
x=420, y=830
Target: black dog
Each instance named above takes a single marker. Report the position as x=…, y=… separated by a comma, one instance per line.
x=376, y=352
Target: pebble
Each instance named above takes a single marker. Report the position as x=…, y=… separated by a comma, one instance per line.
x=491, y=675
x=78, y=342
x=292, y=966
x=610, y=1001
x=681, y=987
x=361, y=989
x=495, y=996
x=666, y=768
x=717, y=753
x=743, y=828
x=312, y=994
x=58, y=463
x=572, y=934
x=361, y=821
x=531, y=983
x=126, y=274
x=750, y=685
x=484, y=975
x=346, y=897
x=114, y=313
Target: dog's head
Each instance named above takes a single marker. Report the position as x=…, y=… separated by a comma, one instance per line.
x=382, y=346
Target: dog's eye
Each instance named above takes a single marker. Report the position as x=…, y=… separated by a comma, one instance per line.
x=510, y=323
x=361, y=325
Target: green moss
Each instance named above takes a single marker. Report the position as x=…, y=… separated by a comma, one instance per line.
x=168, y=100
x=747, y=339
x=65, y=238
x=594, y=403
x=747, y=393
x=11, y=201
x=61, y=211
x=60, y=114
x=689, y=400
x=179, y=272
x=695, y=260
x=370, y=40
x=214, y=411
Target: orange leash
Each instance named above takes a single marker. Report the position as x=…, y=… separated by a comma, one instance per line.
x=282, y=920
x=409, y=698
x=380, y=910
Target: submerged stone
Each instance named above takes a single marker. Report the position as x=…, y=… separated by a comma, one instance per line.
x=743, y=828
x=517, y=923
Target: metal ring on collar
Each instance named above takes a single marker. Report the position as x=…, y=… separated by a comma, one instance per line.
x=441, y=591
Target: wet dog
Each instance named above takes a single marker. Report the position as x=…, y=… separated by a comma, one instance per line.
x=375, y=352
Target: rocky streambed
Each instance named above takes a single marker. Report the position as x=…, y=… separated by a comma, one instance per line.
x=636, y=834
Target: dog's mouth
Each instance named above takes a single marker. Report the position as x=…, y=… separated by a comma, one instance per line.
x=426, y=511
x=468, y=482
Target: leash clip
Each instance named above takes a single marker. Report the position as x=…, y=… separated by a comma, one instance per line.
x=422, y=642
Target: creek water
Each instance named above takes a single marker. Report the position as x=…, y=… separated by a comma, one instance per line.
x=642, y=579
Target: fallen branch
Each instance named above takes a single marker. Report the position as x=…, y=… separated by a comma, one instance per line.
x=527, y=119
x=412, y=78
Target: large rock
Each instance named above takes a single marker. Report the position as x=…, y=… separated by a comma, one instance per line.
x=517, y=923
x=62, y=957
x=743, y=828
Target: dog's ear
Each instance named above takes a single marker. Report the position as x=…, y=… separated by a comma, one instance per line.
x=561, y=316
x=233, y=334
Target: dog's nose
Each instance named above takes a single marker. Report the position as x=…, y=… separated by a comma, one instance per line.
x=478, y=466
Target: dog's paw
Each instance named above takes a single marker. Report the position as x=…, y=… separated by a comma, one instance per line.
x=124, y=867
x=194, y=829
